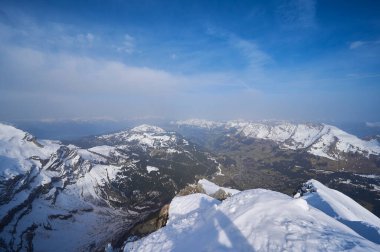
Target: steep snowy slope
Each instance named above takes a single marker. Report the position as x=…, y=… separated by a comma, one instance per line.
x=66, y=198
x=318, y=139
x=257, y=220
x=342, y=208
x=20, y=151
x=41, y=205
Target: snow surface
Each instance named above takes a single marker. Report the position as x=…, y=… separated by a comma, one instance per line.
x=146, y=135
x=259, y=220
x=371, y=176
x=151, y=168
x=148, y=128
x=17, y=149
x=211, y=188
x=86, y=223
x=345, y=210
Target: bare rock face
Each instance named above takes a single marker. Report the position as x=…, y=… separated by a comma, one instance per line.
x=155, y=222
x=163, y=217
x=191, y=189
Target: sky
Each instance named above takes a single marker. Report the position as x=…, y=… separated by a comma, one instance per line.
x=304, y=60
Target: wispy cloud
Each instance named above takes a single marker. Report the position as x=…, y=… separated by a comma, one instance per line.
x=257, y=60
x=357, y=44
x=58, y=70
x=361, y=43
x=86, y=39
x=373, y=124
x=297, y=13
x=127, y=45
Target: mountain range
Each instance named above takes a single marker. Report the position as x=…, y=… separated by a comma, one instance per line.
x=82, y=198
x=318, y=139
x=86, y=193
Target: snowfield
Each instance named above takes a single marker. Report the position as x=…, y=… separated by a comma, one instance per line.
x=264, y=220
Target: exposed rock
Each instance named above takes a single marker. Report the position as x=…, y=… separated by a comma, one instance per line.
x=221, y=195
x=153, y=223
x=191, y=189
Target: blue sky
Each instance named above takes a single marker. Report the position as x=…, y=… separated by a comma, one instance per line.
x=302, y=60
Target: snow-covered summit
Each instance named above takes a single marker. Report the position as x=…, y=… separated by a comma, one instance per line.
x=318, y=139
x=145, y=135
x=21, y=151
x=7, y=132
x=257, y=220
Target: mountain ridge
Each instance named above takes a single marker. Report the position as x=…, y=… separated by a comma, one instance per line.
x=316, y=138
x=54, y=193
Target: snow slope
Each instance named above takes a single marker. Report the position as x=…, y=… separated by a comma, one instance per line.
x=44, y=187
x=318, y=139
x=211, y=188
x=20, y=151
x=344, y=209
x=258, y=220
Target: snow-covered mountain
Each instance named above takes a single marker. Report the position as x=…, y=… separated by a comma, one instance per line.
x=321, y=219
x=66, y=198
x=318, y=139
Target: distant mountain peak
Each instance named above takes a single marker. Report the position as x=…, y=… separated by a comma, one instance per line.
x=199, y=123
x=148, y=128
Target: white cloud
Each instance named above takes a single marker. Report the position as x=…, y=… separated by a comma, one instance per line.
x=373, y=124
x=257, y=58
x=128, y=45
x=85, y=39
x=360, y=43
x=61, y=71
x=37, y=84
x=357, y=44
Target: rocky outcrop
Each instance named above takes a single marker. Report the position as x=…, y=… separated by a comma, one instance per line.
x=154, y=222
